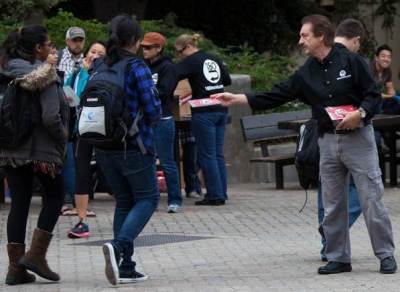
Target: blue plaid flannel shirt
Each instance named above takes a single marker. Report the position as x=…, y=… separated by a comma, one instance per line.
x=140, y=90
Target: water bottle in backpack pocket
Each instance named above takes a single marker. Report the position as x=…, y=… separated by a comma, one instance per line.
x=104, y=119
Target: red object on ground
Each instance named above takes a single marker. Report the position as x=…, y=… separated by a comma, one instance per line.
x=162, y=185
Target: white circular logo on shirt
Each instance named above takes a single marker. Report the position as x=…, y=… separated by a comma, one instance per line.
x=155, y=78
x=342, y=73
x=211, y=71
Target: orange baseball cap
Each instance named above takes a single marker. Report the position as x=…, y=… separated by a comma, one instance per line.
x=153, y=38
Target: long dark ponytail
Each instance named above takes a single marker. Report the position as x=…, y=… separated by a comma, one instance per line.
x=21, y=43
x=123, y=31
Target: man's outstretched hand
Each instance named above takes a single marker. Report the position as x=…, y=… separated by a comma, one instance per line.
x=228, y=99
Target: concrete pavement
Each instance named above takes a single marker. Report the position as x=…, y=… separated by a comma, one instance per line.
x=257, y=242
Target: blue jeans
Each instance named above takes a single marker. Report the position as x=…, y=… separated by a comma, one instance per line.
x=68, y=173
x=164, y=138
x=190, y=168
x=134, y=184
x=209, y=130
x=354, y=206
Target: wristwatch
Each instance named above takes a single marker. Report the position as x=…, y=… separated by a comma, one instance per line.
x=363, y=113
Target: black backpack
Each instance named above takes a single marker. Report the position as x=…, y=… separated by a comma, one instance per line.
x=104, y=119
x=16, y=117
x=307, y=154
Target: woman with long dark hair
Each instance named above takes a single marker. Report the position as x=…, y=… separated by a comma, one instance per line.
x=22, y=60
x=84, y=151
x=130, y=171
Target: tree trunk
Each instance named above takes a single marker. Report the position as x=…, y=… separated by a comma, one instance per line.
x=106, y=10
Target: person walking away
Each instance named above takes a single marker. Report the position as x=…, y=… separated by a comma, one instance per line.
x=207, y=75
x=23, y=59
x=130, y=169
x=164, y=77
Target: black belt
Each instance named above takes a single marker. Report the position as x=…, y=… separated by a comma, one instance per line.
x=341, y=132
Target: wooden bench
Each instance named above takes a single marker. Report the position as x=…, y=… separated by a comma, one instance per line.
x=263, y=131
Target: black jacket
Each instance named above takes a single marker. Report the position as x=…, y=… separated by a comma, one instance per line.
x=342, y=78
x=165, y=79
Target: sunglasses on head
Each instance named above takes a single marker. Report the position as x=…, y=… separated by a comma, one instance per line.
x=149, y=47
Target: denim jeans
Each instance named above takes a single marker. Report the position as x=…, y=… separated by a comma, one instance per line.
x=190, y=168
x=134, y=184
x=68, y=173
x=209, y=130
x=354, y=208
x=164, y=138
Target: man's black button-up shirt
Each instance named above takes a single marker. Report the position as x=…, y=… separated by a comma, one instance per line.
x=342, y=78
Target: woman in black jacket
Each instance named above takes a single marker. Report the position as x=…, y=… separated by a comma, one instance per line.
x=164, y=77
x=22, y=59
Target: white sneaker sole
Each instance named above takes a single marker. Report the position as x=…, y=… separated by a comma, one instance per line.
x=132, y=280
x=111, y=270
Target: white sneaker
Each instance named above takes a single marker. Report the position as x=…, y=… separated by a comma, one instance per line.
x=112, y=259
x=194, y=195
x=174, y=208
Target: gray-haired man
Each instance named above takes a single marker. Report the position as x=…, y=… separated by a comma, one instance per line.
x=333, y=76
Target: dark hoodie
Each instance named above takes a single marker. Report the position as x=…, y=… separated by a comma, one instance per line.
x=165, y=79
x=48, y=140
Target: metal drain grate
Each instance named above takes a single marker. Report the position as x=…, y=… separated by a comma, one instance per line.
x=151, y=240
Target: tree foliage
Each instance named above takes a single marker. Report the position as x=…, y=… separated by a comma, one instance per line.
x=13, y=12
x=387, y=9
x=58, y=25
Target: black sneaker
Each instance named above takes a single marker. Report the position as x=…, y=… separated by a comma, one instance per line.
x=131, y=276
x=207, y=202
x=334, y=268
x=388, y=266
x=112, y=257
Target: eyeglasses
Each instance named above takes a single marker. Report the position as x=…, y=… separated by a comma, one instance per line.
x=180, y=50
x=149, y=47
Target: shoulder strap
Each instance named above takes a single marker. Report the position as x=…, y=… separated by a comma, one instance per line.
x=60, y=54
x=134, y=129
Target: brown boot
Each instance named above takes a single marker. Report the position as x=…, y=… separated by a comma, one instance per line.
x=35, y=259
x=17, y=275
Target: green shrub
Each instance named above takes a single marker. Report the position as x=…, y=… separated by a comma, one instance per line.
x=4, y=30
x=58, y=25
x=264, y=71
